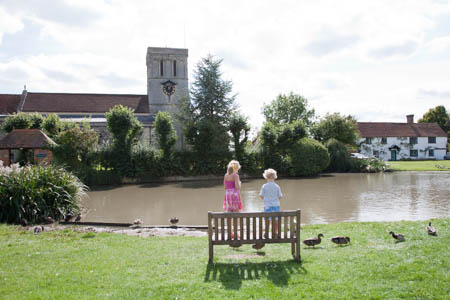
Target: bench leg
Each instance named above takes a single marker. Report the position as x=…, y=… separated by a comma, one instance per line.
x=211, y=253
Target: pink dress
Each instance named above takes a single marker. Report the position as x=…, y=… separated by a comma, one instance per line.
x=232, y=201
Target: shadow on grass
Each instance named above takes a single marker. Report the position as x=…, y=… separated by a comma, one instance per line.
x=231, y=275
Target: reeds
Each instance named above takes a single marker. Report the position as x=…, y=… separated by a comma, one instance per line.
x=36, y=192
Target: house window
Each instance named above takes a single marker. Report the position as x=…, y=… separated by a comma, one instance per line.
x=431, y=152
x=384, y=141
x=368, y=140
x=376, y=154
x=174, y=68
x=413, y=153
x=431, y=140
x=161, y=68
x=413, y=140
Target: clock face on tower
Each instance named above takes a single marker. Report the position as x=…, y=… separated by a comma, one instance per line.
x=168, y=87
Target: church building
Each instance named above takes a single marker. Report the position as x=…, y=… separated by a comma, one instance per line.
x=167, y=83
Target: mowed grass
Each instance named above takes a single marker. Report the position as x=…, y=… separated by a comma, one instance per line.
x=69, y=265
x=426, y=165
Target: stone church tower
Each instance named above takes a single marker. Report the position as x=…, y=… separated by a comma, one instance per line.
x=167, y=82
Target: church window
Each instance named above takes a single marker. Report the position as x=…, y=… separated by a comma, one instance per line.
x=174, y=68
x=161, y=68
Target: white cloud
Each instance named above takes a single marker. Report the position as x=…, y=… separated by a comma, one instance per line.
x=368, y=59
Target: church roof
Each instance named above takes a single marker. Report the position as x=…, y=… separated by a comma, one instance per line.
x=25, y=138
x=381, y=129
x=82, y=103
x=8, y=103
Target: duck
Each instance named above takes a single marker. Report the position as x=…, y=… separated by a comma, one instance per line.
x=24, y=222
x=138, y=222
x=49, y=220
x=313, y=241
x=173, y=221
x=399, y=237
x=258, y=246
x=431, y=230
x=38, y=229
x=78, y=218
x=68, y=217
x=340, y=240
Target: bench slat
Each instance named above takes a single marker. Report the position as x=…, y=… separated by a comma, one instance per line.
x=254, y=214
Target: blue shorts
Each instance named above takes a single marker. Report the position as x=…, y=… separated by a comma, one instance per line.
x=270, y=209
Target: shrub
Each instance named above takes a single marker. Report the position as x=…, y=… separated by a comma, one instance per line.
x=308, y=157
x=165, y=133
x=16, y=121
x=36, y=192
x=339, y=157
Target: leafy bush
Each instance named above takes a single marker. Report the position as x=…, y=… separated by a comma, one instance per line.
x=16, y=121
x=36, y=192
x=370, y=165
x=308, y=157
x=339, y=157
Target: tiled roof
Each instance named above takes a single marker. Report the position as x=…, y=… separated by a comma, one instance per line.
x=25, y=138
x=8, y=103
x=82, y=103
x=378, y=129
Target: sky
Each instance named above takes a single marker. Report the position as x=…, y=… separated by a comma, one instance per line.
x=375, y=60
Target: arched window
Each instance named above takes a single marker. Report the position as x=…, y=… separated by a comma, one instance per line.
x=174, y=68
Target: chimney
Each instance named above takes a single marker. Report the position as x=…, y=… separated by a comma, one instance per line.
x=410, y=119
x=22, y=99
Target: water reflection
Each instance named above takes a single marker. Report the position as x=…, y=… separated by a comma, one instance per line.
x=328, y=199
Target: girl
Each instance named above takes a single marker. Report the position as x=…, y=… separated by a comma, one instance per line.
x=232, y=184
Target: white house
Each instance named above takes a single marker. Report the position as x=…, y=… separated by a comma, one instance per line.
x=395, y=141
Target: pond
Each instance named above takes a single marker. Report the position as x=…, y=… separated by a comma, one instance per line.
x=327, y=199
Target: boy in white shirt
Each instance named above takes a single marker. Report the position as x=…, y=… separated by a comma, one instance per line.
x=271, y=194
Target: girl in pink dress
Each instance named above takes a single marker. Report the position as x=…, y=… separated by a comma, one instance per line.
x=232, y=184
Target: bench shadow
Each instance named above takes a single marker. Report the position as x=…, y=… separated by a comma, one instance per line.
x=231, y=275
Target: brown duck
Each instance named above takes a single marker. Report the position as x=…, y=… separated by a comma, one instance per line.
x=173, y=221
x=258, y=246
x=431, y=230
x=340, y=240
x=313, y=241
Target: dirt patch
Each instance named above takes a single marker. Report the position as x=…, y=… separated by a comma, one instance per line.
x=140, y=231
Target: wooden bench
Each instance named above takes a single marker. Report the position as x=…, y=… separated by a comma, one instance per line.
x=254, y=228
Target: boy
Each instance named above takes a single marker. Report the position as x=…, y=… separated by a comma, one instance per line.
x=271, y=194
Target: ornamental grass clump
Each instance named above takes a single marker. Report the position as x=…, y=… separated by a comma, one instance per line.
x=33, y=193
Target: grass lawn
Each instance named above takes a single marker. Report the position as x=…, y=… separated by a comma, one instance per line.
x=70, y=265
x=426, y=165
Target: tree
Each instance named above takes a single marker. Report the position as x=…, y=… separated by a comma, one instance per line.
x=165, y=133
x=437, y=115
x=210, y=94
x=309, y=157
x=123, y=126
x=36, y=120
x=16, y=121
x=52, y=125
x=339, y=157
x=341, y=128
x=74, y=144
x=286, y=109
x=239, y=129
x=125, y=130
x=206, y=116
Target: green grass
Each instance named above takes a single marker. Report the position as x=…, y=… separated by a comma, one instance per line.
x=426, y=165
x=69, y=265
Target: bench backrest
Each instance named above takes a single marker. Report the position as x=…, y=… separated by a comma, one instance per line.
x=253, y=227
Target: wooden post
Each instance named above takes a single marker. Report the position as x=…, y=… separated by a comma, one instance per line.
x=211, y=250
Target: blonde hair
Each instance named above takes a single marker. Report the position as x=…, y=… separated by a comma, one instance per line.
x=233, y=166
x=270, y=174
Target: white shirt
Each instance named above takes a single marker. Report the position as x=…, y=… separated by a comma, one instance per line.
x=271, y=193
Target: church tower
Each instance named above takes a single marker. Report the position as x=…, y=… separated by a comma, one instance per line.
x=167, y=81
